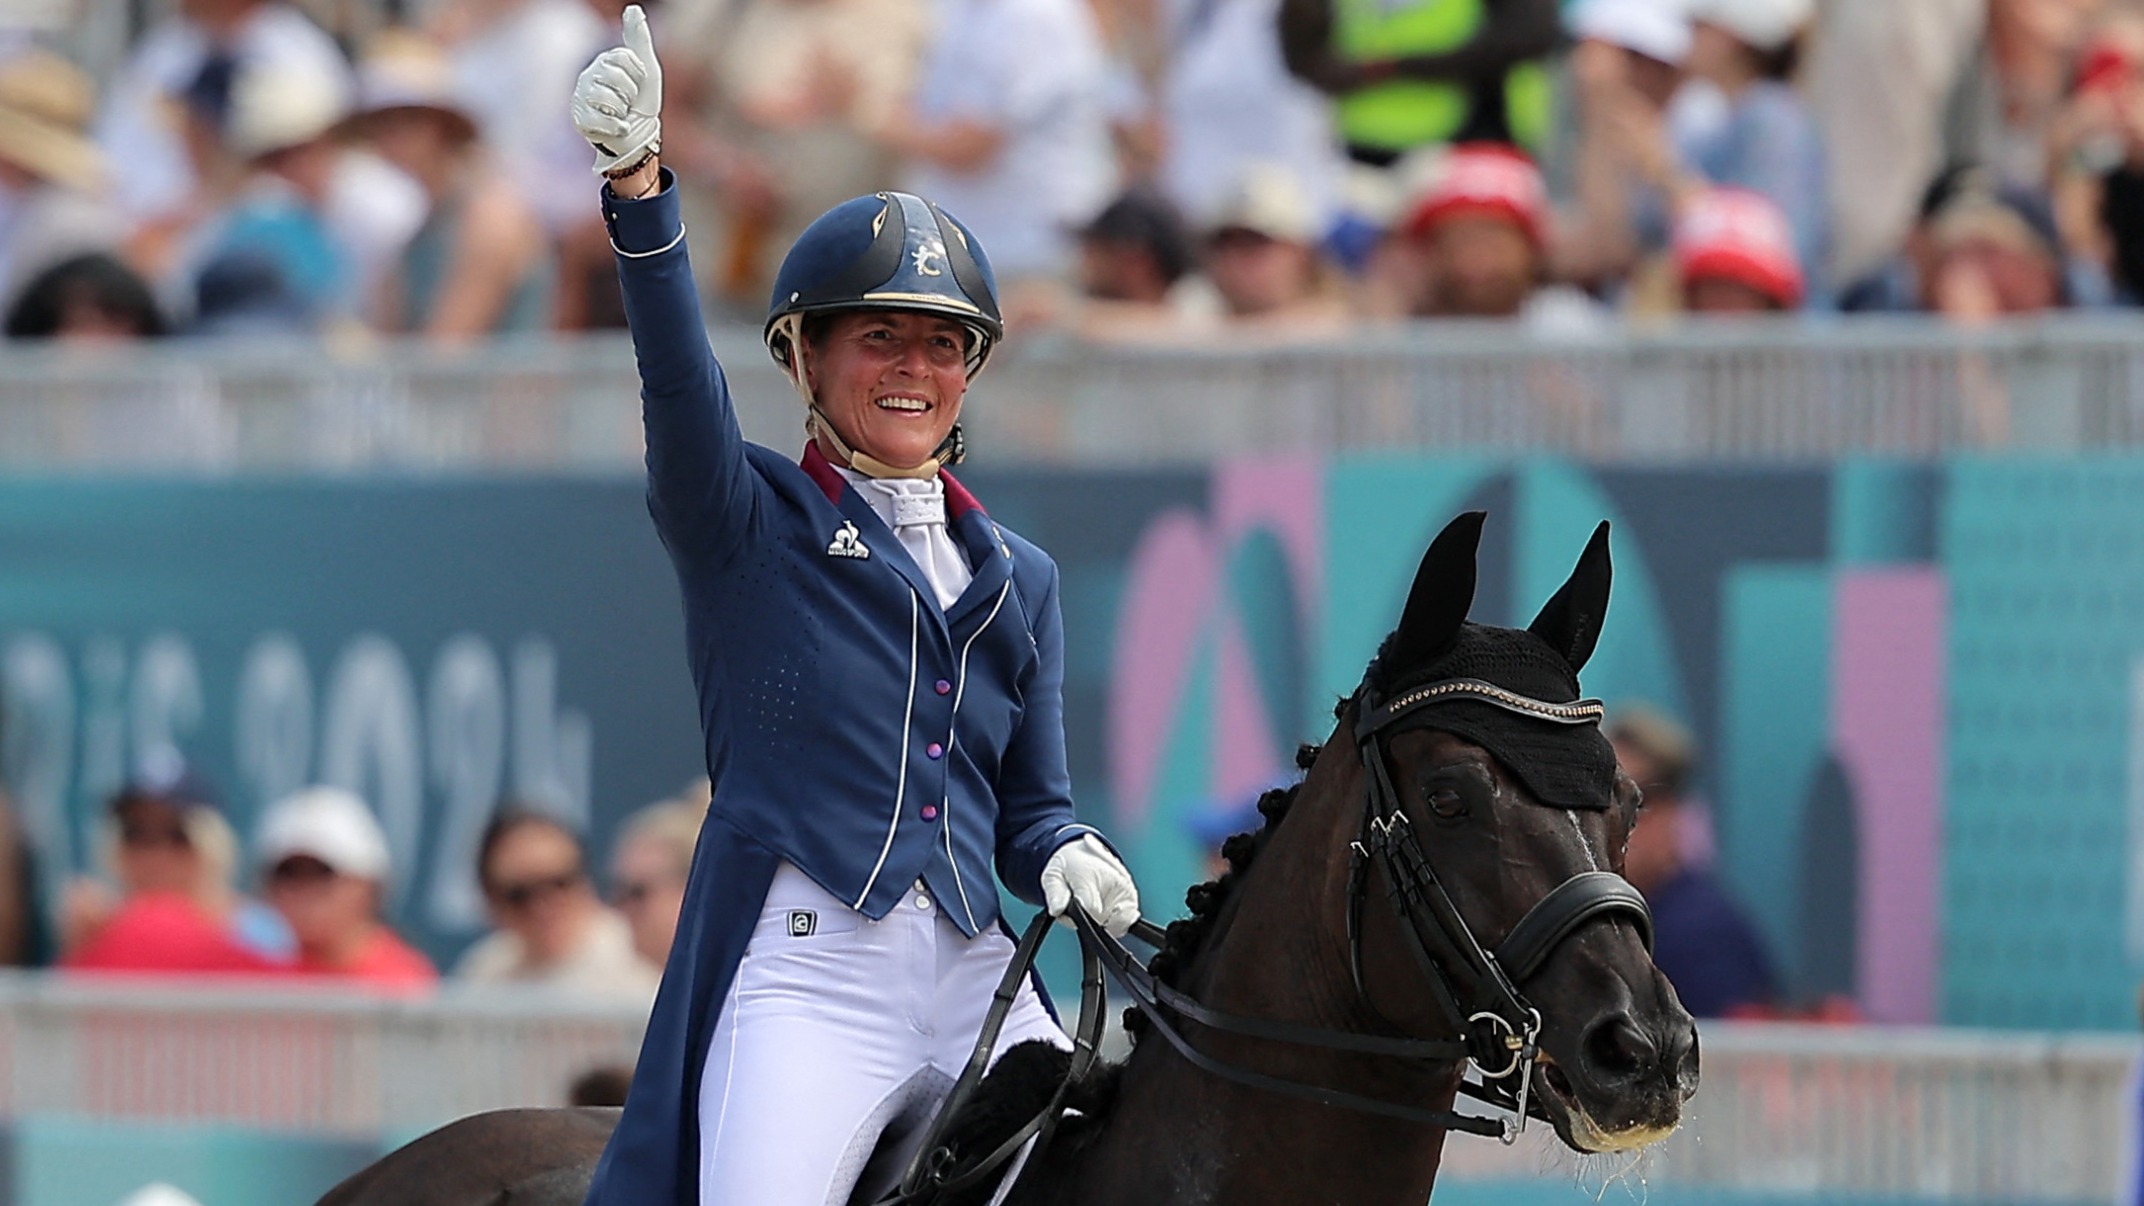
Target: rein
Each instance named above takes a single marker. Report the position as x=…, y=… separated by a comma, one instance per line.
x=1477, y=990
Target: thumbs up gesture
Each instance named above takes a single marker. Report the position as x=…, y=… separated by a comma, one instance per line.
x=617, y=103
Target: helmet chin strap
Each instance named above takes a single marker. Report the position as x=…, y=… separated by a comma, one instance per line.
x=818, y=426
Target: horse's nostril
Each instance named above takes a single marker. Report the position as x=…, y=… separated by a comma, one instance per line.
x=1617, y=1050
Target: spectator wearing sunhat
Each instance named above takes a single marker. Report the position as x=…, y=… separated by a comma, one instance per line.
x=1263, y=257
x=1981, y=248
x=481, y=263
x=1734, y=254
x=171, y=856
x=53, y=204
x=325, y=865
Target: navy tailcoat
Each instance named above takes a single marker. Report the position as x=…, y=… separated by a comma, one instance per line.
x=853, y=727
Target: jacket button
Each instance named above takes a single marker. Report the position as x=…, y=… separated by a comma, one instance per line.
x=944, y=687
x=934, y=750
x=930, y=812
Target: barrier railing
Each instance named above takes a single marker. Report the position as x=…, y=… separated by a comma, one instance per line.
x=1792, y=1111
x=1716, y=392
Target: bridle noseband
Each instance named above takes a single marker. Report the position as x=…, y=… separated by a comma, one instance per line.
x=1477, y=990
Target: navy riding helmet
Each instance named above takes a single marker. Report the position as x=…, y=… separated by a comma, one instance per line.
x=886, y=251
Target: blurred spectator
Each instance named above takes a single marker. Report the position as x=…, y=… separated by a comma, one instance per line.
x=52, y=177
x=1008, y=130
x=1413, y=73
x=1701, y=939
x=648, y=869
x=1739, y=122
x=552, y=928
x=1625, y=70
x=279, y=127
x=480, y=264
x=2099, y=155
x=1982, y=249
x=172, y=856
x=1263, y=258
x=1734, y=254
x=325, y=865
x=791, y=90
x=90, y=298
x=203, y=46
x=2009, y=103
x=1473, y=244
x=512, y=59
x=1228, y=101
x=1136, y=252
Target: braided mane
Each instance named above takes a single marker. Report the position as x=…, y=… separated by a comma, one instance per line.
x=1185, y=937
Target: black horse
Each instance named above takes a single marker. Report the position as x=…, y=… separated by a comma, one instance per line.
x=1442, y=890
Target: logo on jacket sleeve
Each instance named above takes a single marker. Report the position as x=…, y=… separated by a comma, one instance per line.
x=847, y=542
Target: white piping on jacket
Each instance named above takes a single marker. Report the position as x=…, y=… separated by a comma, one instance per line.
x=945, y=806
x=900, y=791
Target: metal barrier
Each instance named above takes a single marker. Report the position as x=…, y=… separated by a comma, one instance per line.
x=1734, y=392
x=1793, y=1111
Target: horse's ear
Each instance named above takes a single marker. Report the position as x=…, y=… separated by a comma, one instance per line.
x=1571, y=620
x=1443, y=591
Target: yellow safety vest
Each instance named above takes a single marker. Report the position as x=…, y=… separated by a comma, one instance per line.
x=1399, y=115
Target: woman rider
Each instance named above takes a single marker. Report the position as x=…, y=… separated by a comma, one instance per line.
x=879, y=666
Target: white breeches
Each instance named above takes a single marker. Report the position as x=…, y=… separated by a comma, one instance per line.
x=835, y=1028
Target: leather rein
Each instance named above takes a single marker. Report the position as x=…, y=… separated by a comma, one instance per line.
x=1477, y=990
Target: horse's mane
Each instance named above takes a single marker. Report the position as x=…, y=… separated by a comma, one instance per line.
x=1186, y=937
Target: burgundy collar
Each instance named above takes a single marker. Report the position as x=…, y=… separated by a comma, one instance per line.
x=958, y=501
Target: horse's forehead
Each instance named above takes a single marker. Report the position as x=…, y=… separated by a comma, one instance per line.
x=1557, y=766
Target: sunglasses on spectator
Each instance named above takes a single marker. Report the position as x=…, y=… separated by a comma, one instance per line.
x=300, y=869
x=519, y=896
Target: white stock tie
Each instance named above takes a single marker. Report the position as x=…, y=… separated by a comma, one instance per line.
x=915, y=509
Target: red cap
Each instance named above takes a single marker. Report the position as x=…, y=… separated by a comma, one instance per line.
x=1741, y=236
x=1484, y=179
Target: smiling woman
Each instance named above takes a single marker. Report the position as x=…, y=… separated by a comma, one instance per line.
x=889, y=383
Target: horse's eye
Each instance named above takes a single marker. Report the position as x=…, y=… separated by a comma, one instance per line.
x=1446, y=802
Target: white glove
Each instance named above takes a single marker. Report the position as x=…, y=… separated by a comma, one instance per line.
x=1084, y=870
x=617, y=104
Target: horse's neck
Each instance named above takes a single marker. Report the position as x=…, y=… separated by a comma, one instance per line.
x=1279, y=952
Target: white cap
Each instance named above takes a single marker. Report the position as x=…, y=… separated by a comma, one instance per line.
x=276, y=108
x=1766, y=25
x=329, y=824
x=1269, y=198
x=1657, y=29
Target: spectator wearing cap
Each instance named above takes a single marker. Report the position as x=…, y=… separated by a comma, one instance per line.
x=1138, y=265
x=1750, y=128
x=325, y=865
x=1701, y=938
x=1410, y=74
x=1734, y=254
x=481, y=263
x=172, y=858
x=552, y=929
x=1474, y=243
x=52, y=177
x=1263, y=258
x=1981, y=249
x=649, y=866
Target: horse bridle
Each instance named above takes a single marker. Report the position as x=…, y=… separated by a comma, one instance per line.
x=1478, y=990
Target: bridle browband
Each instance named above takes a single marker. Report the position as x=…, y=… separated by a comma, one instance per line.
x=1477, y=990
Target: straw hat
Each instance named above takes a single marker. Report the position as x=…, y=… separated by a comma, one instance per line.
x=276, y=108
x=404, y=70
x=45, y=105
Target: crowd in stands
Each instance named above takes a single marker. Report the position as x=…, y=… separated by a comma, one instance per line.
x=176, y=891
x=1138, y=169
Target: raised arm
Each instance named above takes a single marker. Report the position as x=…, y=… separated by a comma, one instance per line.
x=699, y=486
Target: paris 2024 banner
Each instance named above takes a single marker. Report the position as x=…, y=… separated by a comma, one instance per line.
x=1916, y=686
